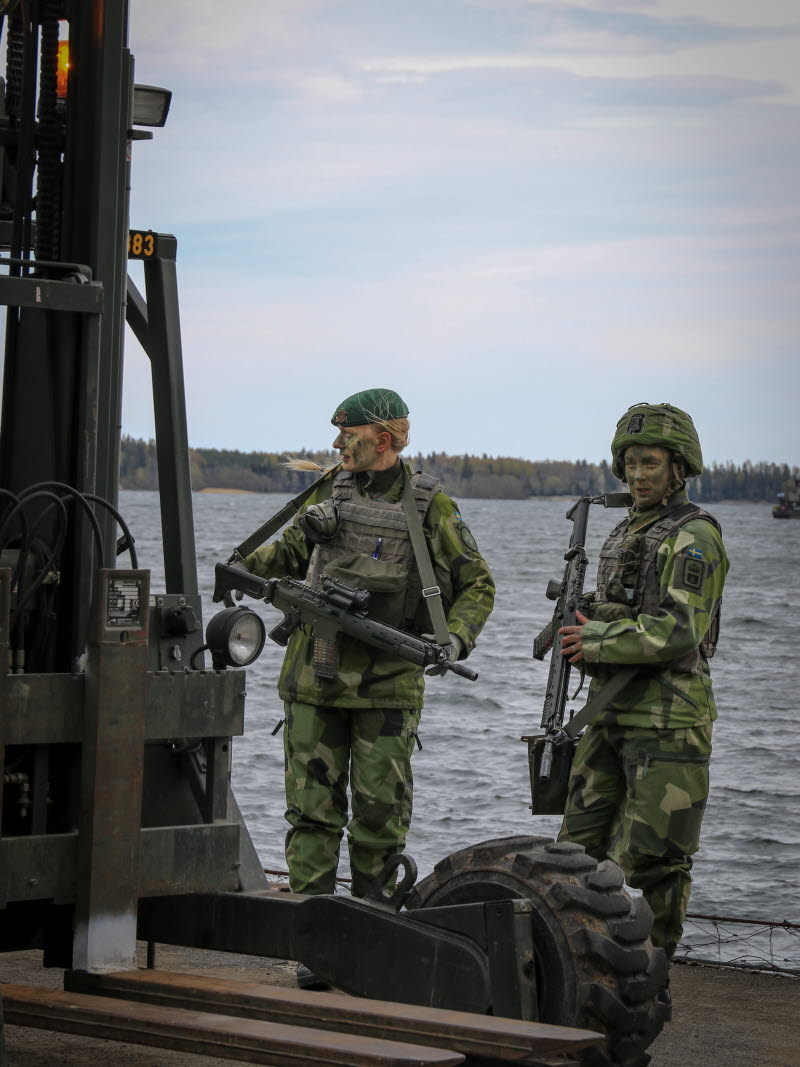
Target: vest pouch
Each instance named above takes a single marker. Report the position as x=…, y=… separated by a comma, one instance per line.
x=385, y=582
x=549, y=796
x=629, y=560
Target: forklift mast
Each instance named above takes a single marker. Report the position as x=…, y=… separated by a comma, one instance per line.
x=115, y=758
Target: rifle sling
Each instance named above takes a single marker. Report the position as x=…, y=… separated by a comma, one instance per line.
x=600, y=701
x=280, y=518
x=430, y=590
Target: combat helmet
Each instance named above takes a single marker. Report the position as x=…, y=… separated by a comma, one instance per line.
x=657, y=424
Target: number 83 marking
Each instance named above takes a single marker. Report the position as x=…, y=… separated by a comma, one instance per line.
x=141, y=244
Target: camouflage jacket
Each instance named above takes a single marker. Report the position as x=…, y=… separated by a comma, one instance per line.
x=368, y=678
x=666, y=695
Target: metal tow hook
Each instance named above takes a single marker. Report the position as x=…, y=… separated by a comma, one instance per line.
x=396, y=898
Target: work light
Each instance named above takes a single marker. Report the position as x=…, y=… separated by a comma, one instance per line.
x=150, y=105
x=235, y=637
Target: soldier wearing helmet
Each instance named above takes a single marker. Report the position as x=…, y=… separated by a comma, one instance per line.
x=639, y=779
x=360, y=721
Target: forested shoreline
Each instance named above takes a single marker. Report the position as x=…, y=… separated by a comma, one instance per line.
x=487, y=477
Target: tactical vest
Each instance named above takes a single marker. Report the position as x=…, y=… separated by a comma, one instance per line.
x=372, y=550
x=629, y=561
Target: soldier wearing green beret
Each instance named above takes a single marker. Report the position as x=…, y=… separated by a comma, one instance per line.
x=639, y=779
x=361, y=722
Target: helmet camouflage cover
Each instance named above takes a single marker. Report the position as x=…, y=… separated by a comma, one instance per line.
x=657, y=424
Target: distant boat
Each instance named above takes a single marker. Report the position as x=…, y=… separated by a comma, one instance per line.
x=788, y=506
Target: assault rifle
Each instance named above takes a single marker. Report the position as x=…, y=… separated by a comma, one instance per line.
x=337, y=608
x=550, y=755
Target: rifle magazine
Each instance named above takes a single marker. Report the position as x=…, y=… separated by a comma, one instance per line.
x=324, y=658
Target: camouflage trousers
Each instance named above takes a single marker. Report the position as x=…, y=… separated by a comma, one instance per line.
x=637, y=796
x=324, y=747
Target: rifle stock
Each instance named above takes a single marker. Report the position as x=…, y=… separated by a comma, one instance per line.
x=228, y=578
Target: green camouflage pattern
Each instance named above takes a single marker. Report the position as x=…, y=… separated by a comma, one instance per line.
x=368, y=406
x=657, y=424
x=691, y=567
x=367, y=677
x=637, y=796
x=323, y=748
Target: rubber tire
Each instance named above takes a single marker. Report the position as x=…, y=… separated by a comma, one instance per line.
x=596, y=967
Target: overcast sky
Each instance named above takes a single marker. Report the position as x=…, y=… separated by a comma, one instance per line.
x=523, y=215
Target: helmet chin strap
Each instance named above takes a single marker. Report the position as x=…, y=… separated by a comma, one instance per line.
x=677, y=481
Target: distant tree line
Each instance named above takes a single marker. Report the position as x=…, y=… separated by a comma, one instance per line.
x=491, y=477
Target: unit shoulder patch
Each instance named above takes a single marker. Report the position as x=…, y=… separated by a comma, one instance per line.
x=465, y=534
x=690, y=571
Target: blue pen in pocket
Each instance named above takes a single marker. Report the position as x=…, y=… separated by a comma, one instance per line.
x=377, y=551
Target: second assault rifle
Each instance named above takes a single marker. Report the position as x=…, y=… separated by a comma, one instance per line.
x=337, y=608
x=550, y=754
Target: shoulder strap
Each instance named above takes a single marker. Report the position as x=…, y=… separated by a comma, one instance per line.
x=426, y=483
x=699, y=513
x=430, y=590
x=671, y=520
x=600, y=701
x=280, y=518
x=344, y=487
x=684, y=511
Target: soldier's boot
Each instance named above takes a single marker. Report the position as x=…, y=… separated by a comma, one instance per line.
x=665, y=998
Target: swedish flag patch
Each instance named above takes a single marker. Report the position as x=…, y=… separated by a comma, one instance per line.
x=694, y=553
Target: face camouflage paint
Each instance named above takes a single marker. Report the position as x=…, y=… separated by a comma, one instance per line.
x=357, y=447
x=648, y=469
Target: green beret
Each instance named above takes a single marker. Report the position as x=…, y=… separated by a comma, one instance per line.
x=370, y=405
x=657, y=424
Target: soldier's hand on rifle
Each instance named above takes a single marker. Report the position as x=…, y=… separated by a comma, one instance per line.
x=571, y=639
x=456, y=647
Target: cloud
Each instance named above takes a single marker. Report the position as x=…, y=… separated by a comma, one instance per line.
x=482, y=75
x=482, y=199
x=658, y=30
